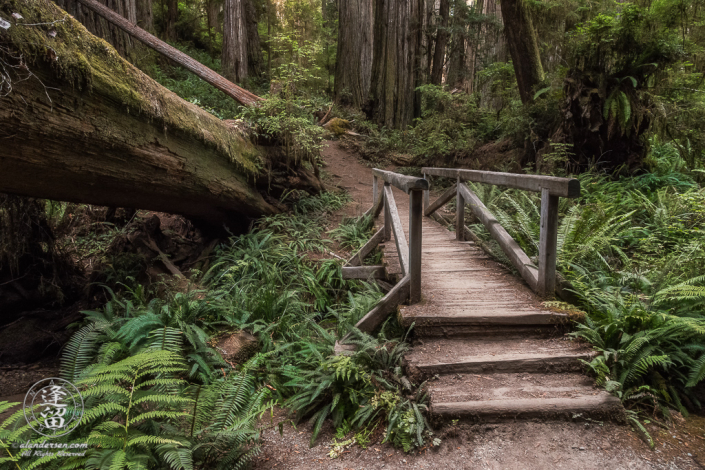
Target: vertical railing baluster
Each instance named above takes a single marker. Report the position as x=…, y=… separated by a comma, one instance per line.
x=548, y=244
x=426, y=194
x=387, y=217
x=375, y=190
x=459, y=214
x=415, y=234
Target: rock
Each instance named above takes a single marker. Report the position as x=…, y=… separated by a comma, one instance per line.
x=237, y=347
x=606, y=446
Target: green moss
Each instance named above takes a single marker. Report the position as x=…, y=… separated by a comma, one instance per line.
x=76, y=58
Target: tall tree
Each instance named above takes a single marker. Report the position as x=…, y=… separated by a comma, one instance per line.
x=353, y=69
x=523, y=46
x=234, y=56
x=439, y=52
x=242, y=55
x=396, y=57
x=172, y=16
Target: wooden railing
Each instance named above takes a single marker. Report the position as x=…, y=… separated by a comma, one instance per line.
x=542, y=279
x=409, y=287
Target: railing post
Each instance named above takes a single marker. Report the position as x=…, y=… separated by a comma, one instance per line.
x=375, y=191
x=548, y=243
x=415, y=234
x=426, y=194
x=387, y=217
x=459, y=214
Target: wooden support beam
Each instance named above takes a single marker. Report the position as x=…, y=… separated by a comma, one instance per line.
x=459, y=213
x=364, y=272
x=564, y=187
x=359, y=257
x=442, y=200
x=510, y=247
x=548, y=244
x=415, y=235
x=426, y=195
x=387, y=214
x=403, y=182
x=387, y=305
x=241, y=95
x=398, y=229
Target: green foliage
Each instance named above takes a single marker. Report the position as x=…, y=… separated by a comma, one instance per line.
x=354, y=232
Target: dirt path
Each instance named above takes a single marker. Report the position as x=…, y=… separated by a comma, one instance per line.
x=514, y=445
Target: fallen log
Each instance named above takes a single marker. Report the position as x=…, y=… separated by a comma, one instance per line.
x=241, y=95
x=78, y=123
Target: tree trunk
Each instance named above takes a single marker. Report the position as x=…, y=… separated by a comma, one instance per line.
x=439, y=51
x=172, y=16
x=254, y=49
x=88, y=127
x=397, y=41
x=212, y=13
x=353, y=69
x=145, y=16
x=240, y=95
x=523, y=46
x=234, y=57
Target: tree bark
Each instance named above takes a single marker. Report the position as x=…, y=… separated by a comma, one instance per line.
x=89, y=127
x=353, y=68
x=172, y=16
x=145, y=15
x=439, y=51
x=397, y=41
x=255, y=62
x=241, y=95
x=212, y=13
x=523, y=46
x=234, y=58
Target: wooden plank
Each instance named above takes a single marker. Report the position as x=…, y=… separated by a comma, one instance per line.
x=364, y=272
x=403, y=182
x=387, y=215
x=514, y=362
x=510, y=247
x=387, y=305
x=459, y=214
x=398, y=229
x=441, y=201
x=548, y=244
x=358, y=258
x=564, y=187
x=603, y=405
x=415, y=235
x=426, y=195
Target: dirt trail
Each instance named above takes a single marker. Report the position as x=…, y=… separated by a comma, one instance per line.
x=517, y=445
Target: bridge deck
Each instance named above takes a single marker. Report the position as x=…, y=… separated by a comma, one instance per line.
x=476, y=317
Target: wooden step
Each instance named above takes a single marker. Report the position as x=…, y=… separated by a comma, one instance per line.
x=492, y=397
x=506, y=353
x=602, y=407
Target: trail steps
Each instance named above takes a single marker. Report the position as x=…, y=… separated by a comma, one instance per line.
x=487, y=346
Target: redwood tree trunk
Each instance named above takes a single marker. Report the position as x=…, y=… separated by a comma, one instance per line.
x=523, y=46
x=234, y=57
x=172, y=16
x=255, y=62
x=95, y=143
x=145, y=16
x=397, y=45
x=439, y=51
x=353, y=69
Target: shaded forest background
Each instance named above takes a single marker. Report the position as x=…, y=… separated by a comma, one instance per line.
x=610, y=92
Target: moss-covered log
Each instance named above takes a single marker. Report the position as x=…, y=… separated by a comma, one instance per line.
x=81, y=124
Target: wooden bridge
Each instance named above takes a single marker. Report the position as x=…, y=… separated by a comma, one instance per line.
x=483, y=338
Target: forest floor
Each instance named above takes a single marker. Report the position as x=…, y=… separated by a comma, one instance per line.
x=511, y=445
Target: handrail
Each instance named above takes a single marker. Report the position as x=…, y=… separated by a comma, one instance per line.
x=563, y=187
x=403, y=182
x=550, y=187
